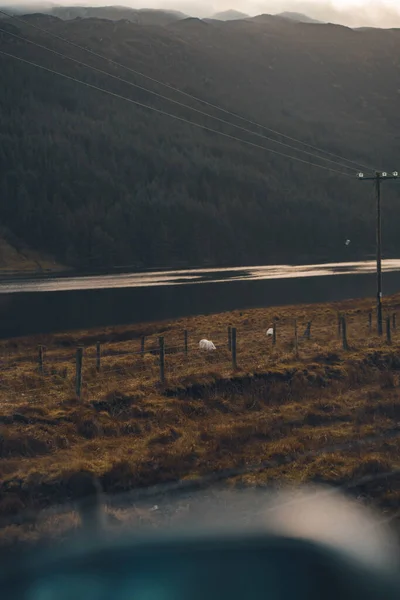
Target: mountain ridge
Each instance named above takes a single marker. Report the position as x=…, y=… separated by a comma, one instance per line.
x=230, y=15
x=91, y=179
x=298, y=17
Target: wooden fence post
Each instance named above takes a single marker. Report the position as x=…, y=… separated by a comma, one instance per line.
x=40, y=359
x=78, y=376
x=98, y=356
x=370, y=322
x=307, y=333
x=388, y=332
x=274, y=334
x=296, y=338
x=142, y=342
x=344, y=334
x=234, y=361
x=186, y=342
x=339, y=325
x=162, y=359
x=394, y=321
x=230, y=338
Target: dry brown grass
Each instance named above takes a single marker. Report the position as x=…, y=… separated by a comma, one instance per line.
x=296, y=414
x=24, y=260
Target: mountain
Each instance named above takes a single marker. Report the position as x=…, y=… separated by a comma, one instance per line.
x=92, y=179
x=115, y=13
x=229, y=15
x=298, y=17
x=145, y=16
x=29, y=8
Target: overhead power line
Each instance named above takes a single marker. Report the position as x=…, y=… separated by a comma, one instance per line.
x=191, y=96
x=176, y=117
x=135, y=85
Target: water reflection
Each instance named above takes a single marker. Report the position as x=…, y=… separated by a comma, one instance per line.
x=192, y=276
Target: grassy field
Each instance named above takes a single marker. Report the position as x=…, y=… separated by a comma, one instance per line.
x=24, y=260
x=321, y=413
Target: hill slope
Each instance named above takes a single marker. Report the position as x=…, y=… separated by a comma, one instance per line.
x=93, y=179
x=116, y=13
x=18, y=258
x=298, y=17
x=143, y=16
x=230, y=15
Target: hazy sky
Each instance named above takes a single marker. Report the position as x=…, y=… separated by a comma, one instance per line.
x=378, y=13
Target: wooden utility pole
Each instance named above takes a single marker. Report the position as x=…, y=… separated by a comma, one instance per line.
x=378, y=255
x=378, y=178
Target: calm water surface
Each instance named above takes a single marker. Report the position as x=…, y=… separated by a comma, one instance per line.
x=41, y=305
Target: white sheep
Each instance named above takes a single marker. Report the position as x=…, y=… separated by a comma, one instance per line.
x=206, y=345
x=270, y=331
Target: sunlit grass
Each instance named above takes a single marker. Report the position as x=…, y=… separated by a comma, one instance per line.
x=131, y=431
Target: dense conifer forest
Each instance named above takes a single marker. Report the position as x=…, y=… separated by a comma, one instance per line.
x=94, y=180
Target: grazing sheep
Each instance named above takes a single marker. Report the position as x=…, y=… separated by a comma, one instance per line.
x=270, y=331
x=206, y=345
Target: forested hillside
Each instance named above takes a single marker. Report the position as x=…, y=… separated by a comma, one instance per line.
x=15, y=257
x=94, y=180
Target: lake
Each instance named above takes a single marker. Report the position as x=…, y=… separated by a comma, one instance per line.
x=43, y=305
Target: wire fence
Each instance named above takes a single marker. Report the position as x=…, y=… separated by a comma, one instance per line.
x=168, y=357
x=171, y=359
